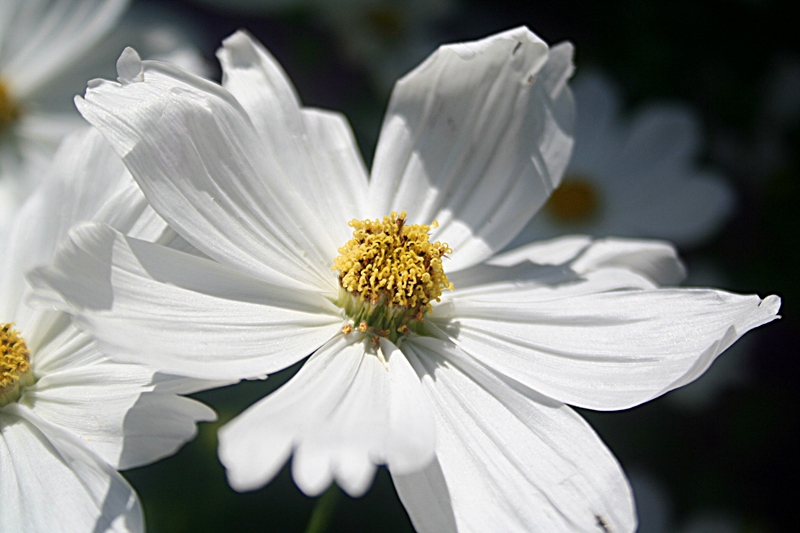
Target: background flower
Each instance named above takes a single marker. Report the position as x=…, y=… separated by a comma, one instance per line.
x=69, y=422
x=48, y=51
x=633, y=177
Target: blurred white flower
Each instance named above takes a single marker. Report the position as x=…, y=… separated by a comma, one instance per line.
x=9, y=203
x=48, y=51
x=68, y=416
x=633, y=178
x=460, y=391
x=39, y=41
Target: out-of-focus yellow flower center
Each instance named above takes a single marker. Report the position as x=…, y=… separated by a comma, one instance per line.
x=14, y=364
x=576, y=200
x=389, y=272
x=9, y=110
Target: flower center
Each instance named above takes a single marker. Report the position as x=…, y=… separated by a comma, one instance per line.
x=14, y=364
x=576, y=200
x=9, y=110
x=389, y=273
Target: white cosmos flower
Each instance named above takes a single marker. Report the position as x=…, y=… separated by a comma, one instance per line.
x=48, y=49
x=467, y=407
x=634, y=177
x=69, y=417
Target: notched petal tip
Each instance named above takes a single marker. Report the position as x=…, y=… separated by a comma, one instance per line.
x=771, y=305
x=93, y=84
x=129, y=67
x=559, y=68
x=244, y=46
x=522, y=35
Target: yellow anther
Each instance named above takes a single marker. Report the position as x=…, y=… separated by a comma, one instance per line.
x=389, y=274
x=391, y=262
x=576, y=200
x=14, y=363
x=347, y=329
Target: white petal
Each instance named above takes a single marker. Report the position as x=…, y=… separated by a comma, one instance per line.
x=25, y=157
x=158, y=424
x=605, y=349
x=48, y=129
x=27, y=150
x=507, y=461
x=161, y=32
x=476, y=137
x=10, y=199
x=527, y=283
x=569, y=266
x=118, y=410
x=427, y=499
x=84, y=176
x=86, y=181
x=129, y=67
x=317, y=149
x=156, y=31
x=179, y=313
x=343, y=414
x=203, y=167
x=19, y=247
x=45, y=37
x=51, y=482
x=655, y=259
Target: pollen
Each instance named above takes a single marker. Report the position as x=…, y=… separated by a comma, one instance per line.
x=575, y=201
x=9, y=110
x=14, y=363
x=389, y=273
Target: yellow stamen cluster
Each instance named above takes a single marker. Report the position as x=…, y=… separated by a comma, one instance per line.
x=14, y=363
x=9, y=110
x=575, y=200
x=389, y=273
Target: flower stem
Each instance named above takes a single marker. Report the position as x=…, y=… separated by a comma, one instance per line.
x=320, y=519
